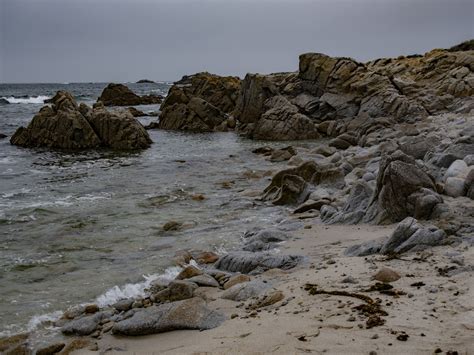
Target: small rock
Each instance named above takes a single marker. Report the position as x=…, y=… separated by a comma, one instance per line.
x=387, y=275
x=204, y=280
x=172, y=226
x=91, y=308
x=236, y=279
x=50, y=349
x=188, y=272
x=123, y=305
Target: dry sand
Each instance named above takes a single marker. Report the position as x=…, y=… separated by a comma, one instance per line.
x=439, y=315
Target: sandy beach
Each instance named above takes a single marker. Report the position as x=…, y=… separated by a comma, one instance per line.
x=436, y=317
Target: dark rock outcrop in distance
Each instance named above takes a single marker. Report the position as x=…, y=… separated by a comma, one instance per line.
x=331, y=96
x=67, y=125
x=145, y=81
x=120, y=95
x=4, y=102
x=200, y=103
x=2, y=136
x=464, y=46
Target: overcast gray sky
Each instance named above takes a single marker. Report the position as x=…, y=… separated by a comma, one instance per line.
x=126, y=40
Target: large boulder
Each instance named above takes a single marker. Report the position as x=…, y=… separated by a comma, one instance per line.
x=293, y=186
x=67, y=125
x=118, y=130
x=402, y=189
x=282, y=121
x=187, y=314
x=200, y=103
x=58, y=126
x=121, y=95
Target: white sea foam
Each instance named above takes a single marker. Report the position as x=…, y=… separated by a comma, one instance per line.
x=27, y=100
x=36, y=321
x=117, y=293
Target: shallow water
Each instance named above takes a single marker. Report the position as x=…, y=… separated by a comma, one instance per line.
x=74, y=225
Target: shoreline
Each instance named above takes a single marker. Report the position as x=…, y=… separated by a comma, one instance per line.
x=301, y=323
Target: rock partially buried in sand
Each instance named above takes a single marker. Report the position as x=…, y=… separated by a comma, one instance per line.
x=387, y=275
x=246, y=290
x=65, y=125
x=236, y=279
x=120, y=95
x=188, y=314
x=248, y=262
x=408, y=236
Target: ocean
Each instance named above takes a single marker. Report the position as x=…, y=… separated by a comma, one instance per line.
x=81, y=227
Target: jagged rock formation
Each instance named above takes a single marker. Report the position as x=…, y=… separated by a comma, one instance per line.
x=200, y=103
x=409, y=235
x=67, y=125
x=120, y=95
x=333, y=96
x=402, y=189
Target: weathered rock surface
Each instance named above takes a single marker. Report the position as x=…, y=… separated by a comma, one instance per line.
x=263, y=240
x=293, y=186
x=82, y=326
x=244, y=291
x=65, y=125
x=408, y=236
x=200, y=103
x=402, y=189
x=177, y=290
x=121, y=95
x=333, y=96
x=247, y=262
x=117, y=130
x=188, y=314
x=61, y=125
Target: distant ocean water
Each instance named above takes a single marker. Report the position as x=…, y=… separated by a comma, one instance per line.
x=87, y=226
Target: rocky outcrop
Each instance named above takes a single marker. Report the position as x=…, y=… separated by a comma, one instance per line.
x=327, y=94
x=121, y=95
x=293, y=186
x=67, y=125
x=187, y=314
x=200, y=103
x=402, y=189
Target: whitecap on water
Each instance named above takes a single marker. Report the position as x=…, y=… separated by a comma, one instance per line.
x=27, y=100
x=117, y=293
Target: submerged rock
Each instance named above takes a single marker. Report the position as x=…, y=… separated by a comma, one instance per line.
x=65, y=125
x=121, y=95
x=188, y=314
